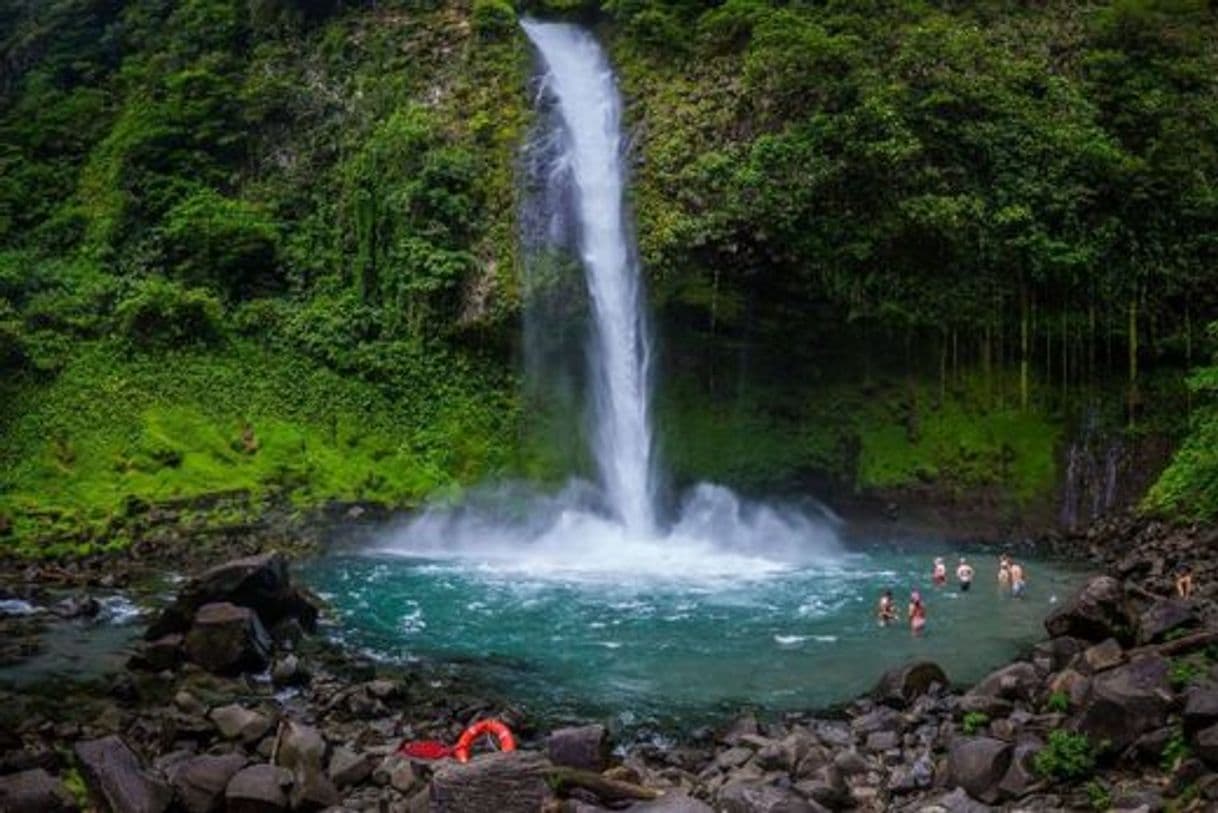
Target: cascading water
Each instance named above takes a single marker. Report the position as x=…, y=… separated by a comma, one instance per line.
x=614, y=526
x=580, y=78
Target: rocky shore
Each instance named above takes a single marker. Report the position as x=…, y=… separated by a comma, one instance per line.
x=229, y=703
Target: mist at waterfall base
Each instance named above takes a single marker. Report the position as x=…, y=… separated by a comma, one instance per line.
x=598, y=598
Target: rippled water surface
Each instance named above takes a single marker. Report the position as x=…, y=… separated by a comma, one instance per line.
x=652, y=646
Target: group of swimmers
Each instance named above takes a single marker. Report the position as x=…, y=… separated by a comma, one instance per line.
x=1012, y=578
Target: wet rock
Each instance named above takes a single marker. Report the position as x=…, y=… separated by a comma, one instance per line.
x=159, y=655
x=506, y=782
x=1205, y=744
x=34, y=791
x=1102, y=656
x=237, y=723
x=289, y=671
x=76, y=607
x=1200, y=709
x=901, y=685
x=1097, y=611
x=1166, y=616
x=227, y=639
x=259, y=583
x=258, y=789
x=978, y=765
x=1016, y=681
x=348, y=767
x=758, y=797
x=113, y=774
x=395, y=771
x=199, y=782
x=585, y=747
x=1126, y=702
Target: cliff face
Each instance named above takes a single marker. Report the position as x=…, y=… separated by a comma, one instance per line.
x=889, y=247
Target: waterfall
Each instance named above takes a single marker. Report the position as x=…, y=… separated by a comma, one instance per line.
x=619, y=349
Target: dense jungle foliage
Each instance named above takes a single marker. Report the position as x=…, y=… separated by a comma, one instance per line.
x=274, y=244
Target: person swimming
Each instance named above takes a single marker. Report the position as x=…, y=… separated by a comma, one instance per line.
x=917, y=613
x=1019, y=582
x=939, y=575
x=964, y=572
x=887, y=611
x=1004, y=572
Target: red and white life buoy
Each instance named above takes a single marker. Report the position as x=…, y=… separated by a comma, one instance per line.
x=481, y=728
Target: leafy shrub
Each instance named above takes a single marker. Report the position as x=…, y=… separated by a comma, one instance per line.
x=974, y=721
x=1098, y=796
x=1174, y=751
x=1058, y=702
x=1184, y=671
x=221, y=242
x=1067, y=756
x=163, y=313
x=493, y=19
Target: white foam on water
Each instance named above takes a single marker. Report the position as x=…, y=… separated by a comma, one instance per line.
x=16, y=606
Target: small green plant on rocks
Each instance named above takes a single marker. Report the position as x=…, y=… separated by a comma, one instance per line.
x=974, y=721
x=1067, y=756
x=1174, y=751
x=1058, y=702
x=1185, y=671
x=1098, y=796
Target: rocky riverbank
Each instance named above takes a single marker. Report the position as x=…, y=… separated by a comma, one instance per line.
x=229, y=704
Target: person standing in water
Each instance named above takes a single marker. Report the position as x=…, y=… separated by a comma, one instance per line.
x=1184, y=581
x=964, y=572
x=1004, y=572
x=939, y=575
x=887, y=611
x=917, y=613
x=1019, y=581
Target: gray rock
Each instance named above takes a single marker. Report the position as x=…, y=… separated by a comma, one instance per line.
x=1060, y=651
x=733, y=757
x=1097, y=611
x=956, y=801
x=744, y=725
x=159, y=655
x=34, y=791
x=1016, y=681
x=815, y=758
x=986, y=704
x=258, y=789
x=187, y=703
x=302, y=751
x=672, y=802
x=348, y=767
x=901, y=685
x=288, y=671
x=978, y=765
x=1205, y=744
x=878, y=719
x=1102, y=656
x=1021, y=778
x=883, y=741
x=850, y=763
x=1166, y=616
x=114, y=775
x=395, y=771
x=584, y=747
x=1200, y=709
x=505, y=782
x=758, y=797
x=227, y=639
x=1126, y=702
x=237, y=723
x=199, y=782
x=1074, y=685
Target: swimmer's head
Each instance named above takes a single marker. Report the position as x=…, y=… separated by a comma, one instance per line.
x=915, y=596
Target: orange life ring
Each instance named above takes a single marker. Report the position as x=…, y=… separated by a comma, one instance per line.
x=492, y=727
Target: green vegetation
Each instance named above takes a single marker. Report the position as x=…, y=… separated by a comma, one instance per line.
x=974, y=721
x=898, y=245
x=1058, y=702
x=1098, y=796
x=1185, y=670
x=1067, y=756
x=1175, y=751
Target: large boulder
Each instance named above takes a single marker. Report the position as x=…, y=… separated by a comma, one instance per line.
x=1097, y=611
x=115, y=777
x=900, y=685
x=506, y=782
x=260, y=583
x=237, y=723
x=1016, y=681
x=1021, y=777
x=759, y=797
x=34, y=791
x=228, y=639
x=585, y=747
x=1166, y=616
x=1200, y=709
x=199, y=782
x=302, y=752
x=258, y=789
x=1126, y=702
x=1205, y=744
x=978, y=765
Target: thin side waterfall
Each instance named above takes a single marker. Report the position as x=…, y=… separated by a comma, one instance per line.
x=619, y=351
